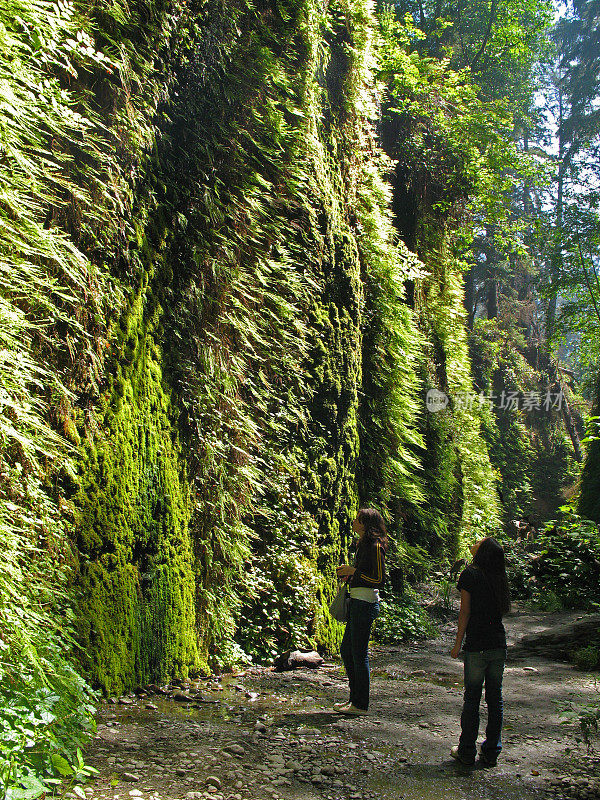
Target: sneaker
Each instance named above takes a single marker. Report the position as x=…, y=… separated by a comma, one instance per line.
x=455, y=754
x=339, y=707
x=354, y=710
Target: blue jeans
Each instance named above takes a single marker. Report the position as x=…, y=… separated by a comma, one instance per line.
x=354, y=649
x=486, y=666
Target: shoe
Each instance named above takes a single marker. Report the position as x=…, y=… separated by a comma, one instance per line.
x=486, y=760
x=339, y=707
x=455, y=754
x=354, y=711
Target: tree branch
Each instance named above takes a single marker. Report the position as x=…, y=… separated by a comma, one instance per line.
x=487, y=33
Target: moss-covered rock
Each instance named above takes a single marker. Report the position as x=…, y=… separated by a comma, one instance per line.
x=237, y=367
x=137, y=613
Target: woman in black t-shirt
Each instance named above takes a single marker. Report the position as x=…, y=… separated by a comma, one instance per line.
x=484, y=599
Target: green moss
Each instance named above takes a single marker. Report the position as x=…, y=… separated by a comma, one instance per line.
x=137, y=615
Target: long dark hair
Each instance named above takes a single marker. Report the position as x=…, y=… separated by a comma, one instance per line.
x=375, y=530
x=489, y=557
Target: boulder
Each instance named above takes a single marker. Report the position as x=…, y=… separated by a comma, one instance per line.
x=297, y=659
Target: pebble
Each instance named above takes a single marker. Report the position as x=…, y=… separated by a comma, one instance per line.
x=131, y=777
x=302, y=731
x=236, y=749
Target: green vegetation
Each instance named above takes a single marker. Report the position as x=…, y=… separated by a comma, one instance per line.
x=587, y=658
x=46, y=708
x=135, y=553
x=403, y=619
x=524, y=429
x=561, y=567
x=239, y=243
x=589, y=501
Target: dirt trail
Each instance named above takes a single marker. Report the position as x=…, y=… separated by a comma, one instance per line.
x=264, y=735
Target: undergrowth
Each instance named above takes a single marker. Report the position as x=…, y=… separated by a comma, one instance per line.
x=402, y=619
x=559, y=568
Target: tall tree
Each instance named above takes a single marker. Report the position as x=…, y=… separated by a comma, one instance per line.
x=572, y=91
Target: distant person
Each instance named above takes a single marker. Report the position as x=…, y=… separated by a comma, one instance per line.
x=484, y=600
x=364, y=580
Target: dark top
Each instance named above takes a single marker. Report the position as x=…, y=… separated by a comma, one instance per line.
x=485, y=630
x=370, y=566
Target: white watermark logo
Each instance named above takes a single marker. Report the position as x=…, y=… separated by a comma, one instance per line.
x=506, y=401
x=436, y=400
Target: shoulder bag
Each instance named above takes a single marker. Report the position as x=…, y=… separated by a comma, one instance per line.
x=339, y=606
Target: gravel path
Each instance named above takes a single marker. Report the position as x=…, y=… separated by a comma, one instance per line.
x=262, y=735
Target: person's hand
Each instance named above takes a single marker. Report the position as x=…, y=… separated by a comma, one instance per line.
x=454, y=653
x=345, y=571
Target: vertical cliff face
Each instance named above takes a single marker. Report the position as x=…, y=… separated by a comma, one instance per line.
x=431, y=186
x=224, y=464
x=229, y=364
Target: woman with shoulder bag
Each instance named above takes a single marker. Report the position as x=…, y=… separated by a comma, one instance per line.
x=484, y=600
x=364, y=579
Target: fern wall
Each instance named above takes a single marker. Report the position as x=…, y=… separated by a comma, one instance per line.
x=529, y=446
x=458, y=481
x=231, y=368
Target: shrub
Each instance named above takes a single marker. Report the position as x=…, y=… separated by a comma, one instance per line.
x=587, y=658
x=561, y=568
x=402, y=619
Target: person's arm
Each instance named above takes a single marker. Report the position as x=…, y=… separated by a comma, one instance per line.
x=463, y=619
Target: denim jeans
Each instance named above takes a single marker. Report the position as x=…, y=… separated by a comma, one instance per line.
x=486, y=666
x=354, y=649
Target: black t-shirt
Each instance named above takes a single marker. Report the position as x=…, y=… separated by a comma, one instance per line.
x=485, y=630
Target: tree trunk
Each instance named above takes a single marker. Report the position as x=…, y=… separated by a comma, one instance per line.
x=589, y=500
x=570, y=426
x=556, y=257
x=492, y=299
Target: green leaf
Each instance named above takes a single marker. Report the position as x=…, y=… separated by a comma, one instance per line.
x=31, y=788
x=61, y=765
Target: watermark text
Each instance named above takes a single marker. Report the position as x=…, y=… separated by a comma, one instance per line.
x=436, y=400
